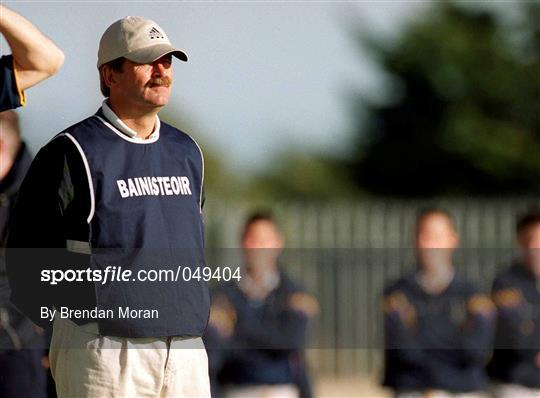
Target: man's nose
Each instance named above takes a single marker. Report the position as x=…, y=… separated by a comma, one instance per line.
x=157, y=69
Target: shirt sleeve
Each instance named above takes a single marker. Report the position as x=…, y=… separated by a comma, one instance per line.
x=10, y=95
x=40, y=226
x=475, y=340
x=516, y=333
x=403, y=346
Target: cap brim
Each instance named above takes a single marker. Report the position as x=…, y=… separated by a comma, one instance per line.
x=152, y=53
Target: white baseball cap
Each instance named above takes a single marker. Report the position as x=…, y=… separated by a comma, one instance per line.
x=138, y=39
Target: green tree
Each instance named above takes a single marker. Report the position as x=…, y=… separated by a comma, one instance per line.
x=297, y=175
x=464, y=110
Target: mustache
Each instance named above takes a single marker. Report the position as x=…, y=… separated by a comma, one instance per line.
x=160, y=81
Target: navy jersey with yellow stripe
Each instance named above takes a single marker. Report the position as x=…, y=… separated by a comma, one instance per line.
x=269, y=336
x=10, y=95
x=436, y=341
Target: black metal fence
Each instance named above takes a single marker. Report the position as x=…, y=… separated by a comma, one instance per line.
x=345, y=253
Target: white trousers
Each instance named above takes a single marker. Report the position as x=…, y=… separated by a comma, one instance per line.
x=86, y=364
x=515, y=390
x=264, y=391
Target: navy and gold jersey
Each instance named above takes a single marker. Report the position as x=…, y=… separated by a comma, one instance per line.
x=516, y=358
x=10, y=95
x=436, y=341
x=266, y=347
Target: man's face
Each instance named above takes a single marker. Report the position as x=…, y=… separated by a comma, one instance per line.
x=262, y=244
x=262, y=234
x=143, y=85
x=529, y=241
x=436, y=240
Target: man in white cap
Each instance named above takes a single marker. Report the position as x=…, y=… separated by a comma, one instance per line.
x=119, y=180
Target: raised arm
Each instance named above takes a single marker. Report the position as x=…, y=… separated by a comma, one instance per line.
x=35, y=56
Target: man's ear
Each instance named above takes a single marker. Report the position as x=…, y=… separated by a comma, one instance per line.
x=109, y=76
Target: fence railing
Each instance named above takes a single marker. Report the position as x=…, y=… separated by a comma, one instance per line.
x=350, y=251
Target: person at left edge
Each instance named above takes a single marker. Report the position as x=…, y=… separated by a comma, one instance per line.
x=80, y=195
x=33, y=58
x=21, y=343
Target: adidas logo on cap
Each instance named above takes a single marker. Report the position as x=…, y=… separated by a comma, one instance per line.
x=155, y=33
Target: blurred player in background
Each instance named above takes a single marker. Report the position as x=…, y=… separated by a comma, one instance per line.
x=21, y=370
x=438, y=328
x=516, y=291
x=261, y=323
x=34, y=58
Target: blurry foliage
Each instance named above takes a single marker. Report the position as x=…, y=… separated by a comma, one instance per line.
x=305, y=177
x=463, y=115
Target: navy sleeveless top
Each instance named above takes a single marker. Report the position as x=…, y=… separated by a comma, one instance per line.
x=145, y=217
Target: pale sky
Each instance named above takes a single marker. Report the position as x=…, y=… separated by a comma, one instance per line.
x=261, y=77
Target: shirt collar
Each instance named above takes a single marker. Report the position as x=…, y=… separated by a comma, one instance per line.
x=124, y=128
